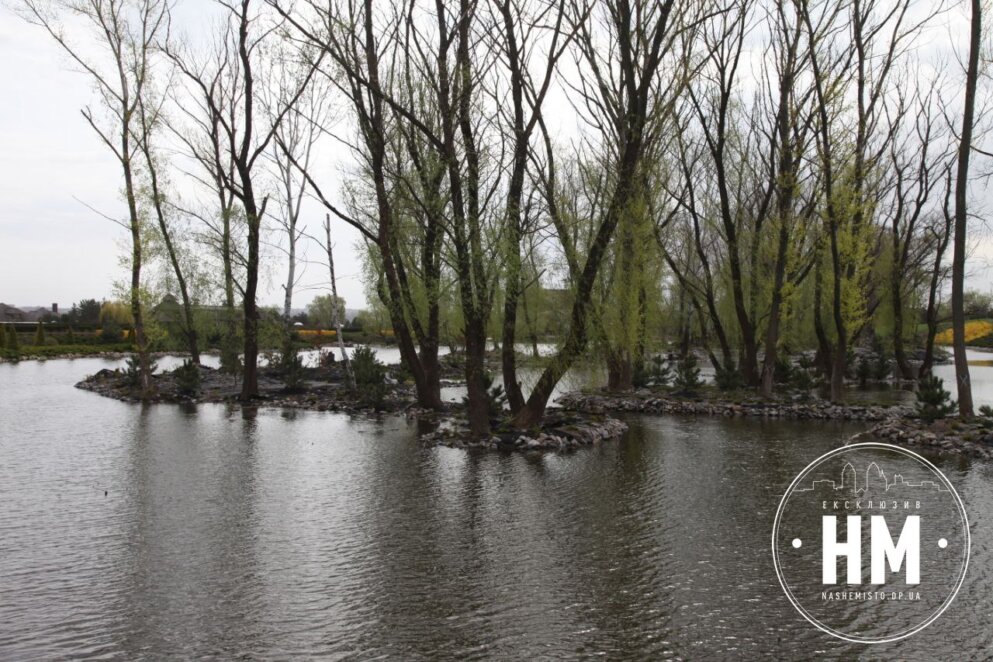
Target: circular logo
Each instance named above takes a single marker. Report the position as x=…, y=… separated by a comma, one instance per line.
x=871, y=543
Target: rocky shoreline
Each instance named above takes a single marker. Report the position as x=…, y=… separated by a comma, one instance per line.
x=656, y=403
x=955, y=436
x=582, y=419
x=324, y=391
x=561, y=431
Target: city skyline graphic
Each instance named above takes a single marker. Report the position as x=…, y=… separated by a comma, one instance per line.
x=875, y=481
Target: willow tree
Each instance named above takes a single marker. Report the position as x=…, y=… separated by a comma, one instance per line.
x=631, y=67
x=120, y=68
x=854, y=51
x=393, y=118
x=229, y=92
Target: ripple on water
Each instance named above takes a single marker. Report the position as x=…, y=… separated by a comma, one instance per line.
x=237, y=534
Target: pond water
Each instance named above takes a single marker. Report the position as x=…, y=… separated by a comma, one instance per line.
x=141, y=532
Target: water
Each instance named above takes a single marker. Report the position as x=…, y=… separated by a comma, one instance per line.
x=141, y=532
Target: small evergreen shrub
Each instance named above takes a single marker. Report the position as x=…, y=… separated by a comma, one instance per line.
x=230, y=357
x=881, y=368
x=70, y=337
x=933, y=401
x=496, y=398
x=370, y=376
x=3, y=336
x=132, y=370
x=660, y=372
x=985, y=418
x=687, y=378
x=863, y=371
x=292, y=367
x=782, y=369
x=188, y=378
x=727, y=378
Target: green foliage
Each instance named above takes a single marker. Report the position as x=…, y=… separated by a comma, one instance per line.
x=12, y=344
x=292, y=367
x=321, y=311
x=863, y=371
x=3, y=336
x=933, y=401
x=70, y=337
x=188, y=378
x=727, y=378
x=803, y=376
x=39, y=335
x=881, y=367
x=783, y=368
x=985, y=418
x=132, y=370
x=370, y=376
x=230, y=355
x=495, y=397
x=111, y=331
x=654, y=372
x=687, y=375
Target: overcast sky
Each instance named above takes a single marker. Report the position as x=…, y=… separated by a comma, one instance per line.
x=54, y=249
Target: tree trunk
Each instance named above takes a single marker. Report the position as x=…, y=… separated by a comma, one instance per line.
x=961, y=218
x=335, y=317
x=899, y=352
x=250, y=374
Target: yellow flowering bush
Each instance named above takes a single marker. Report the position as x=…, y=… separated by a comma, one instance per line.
x=974, y=330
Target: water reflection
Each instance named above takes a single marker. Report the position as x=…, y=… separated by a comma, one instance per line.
x=232, y=532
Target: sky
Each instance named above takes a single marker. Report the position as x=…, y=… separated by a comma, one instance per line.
x=55, y=249
x=53, y=169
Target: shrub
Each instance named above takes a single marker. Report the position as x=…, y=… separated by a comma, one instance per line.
x=70, y=337
x=39, y=335
x=985, y=418
x=3, y=336
x=881, y=368
x=933, y=401
x=802, y=380
x=863, y=371
x=110, y=332
x=132, y=370
x=654, y=372
x=727, y=377
x=495, y=397
x=188, y=378
x=687, y=374
x=370, y=376
x=230, y=355
x=12, y=344
x=292, y=367
x=782, y=369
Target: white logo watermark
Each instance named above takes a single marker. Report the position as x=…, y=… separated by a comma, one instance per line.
x=871, y=543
